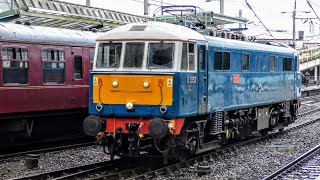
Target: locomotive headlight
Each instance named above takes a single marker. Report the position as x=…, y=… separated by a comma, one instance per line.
x=115, y=83
x=146, y=84
x=129, y=106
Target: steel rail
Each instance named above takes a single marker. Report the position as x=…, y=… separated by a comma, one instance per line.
x=209, y=155
x=76, y=170
x=57, y=147
x=293, y=163
x=86, y=169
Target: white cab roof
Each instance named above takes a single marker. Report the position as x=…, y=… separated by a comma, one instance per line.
x=151, y=31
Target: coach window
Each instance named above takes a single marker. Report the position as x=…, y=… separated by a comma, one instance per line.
x=53, y=66
x=77, y=64
x=272, y=63
x=14, y=65
x=109, y=55
x=160, y=55
x=245, y=62
x=287, y=64
x=133, y=57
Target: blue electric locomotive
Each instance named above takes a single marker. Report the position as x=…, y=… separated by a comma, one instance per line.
x=166, y=89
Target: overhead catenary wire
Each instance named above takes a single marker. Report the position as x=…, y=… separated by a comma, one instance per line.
x=314, y=4
x=308, y=1
x=258, y=17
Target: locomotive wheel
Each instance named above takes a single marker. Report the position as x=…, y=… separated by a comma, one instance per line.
x=184, y=149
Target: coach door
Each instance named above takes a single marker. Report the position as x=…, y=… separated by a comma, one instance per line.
x=77, y=63
x=202, y=79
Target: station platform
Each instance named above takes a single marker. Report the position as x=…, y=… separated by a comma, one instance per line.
x=310, y=90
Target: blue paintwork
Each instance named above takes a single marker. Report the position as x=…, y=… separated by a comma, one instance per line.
x=277, y=86
x=202, y=81
x=221, y=93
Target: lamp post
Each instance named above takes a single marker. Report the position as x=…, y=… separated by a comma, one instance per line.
x=294, y=12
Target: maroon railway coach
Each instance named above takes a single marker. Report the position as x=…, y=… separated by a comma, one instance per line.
x=43, y=79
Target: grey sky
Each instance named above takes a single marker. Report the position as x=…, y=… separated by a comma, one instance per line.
x=268, y=11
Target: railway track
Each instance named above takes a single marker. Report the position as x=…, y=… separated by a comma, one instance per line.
x=48, y=146
x=209, y=156
x=117, y=170
x=306, y=166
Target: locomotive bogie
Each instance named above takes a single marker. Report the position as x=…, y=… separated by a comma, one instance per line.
x=184, y=93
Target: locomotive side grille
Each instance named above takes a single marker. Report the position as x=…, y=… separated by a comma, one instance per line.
x=216, y=122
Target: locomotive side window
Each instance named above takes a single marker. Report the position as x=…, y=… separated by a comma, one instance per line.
x=245, y=62
x=191, y=57
x=202, y=63
x=160, y=55
x=14, y=65
x=77, y=65
x=187, y=59
x=226, y=61
x=133, y=57
x=287, y=64
x=217, y=60
x=109, y=55
x=272, y=63
x=53, y=66
x=184, y=58
x=221, y=61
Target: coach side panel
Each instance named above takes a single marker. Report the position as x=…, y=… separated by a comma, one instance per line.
x=38, y=83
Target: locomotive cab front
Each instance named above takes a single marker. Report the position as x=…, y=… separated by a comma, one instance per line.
x=142, y=87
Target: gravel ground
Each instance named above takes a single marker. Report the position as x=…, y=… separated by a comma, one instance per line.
x=249, y=162
x=257, y=161
x=14, y=167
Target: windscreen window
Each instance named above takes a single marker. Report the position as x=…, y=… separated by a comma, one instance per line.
x=109, y=55
x=160, y=55
x=133, y=57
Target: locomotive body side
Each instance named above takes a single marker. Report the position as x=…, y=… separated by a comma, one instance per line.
x=259, y=85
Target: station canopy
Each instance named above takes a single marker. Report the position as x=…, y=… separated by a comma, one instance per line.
x=59, y=14
x=53, y=13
